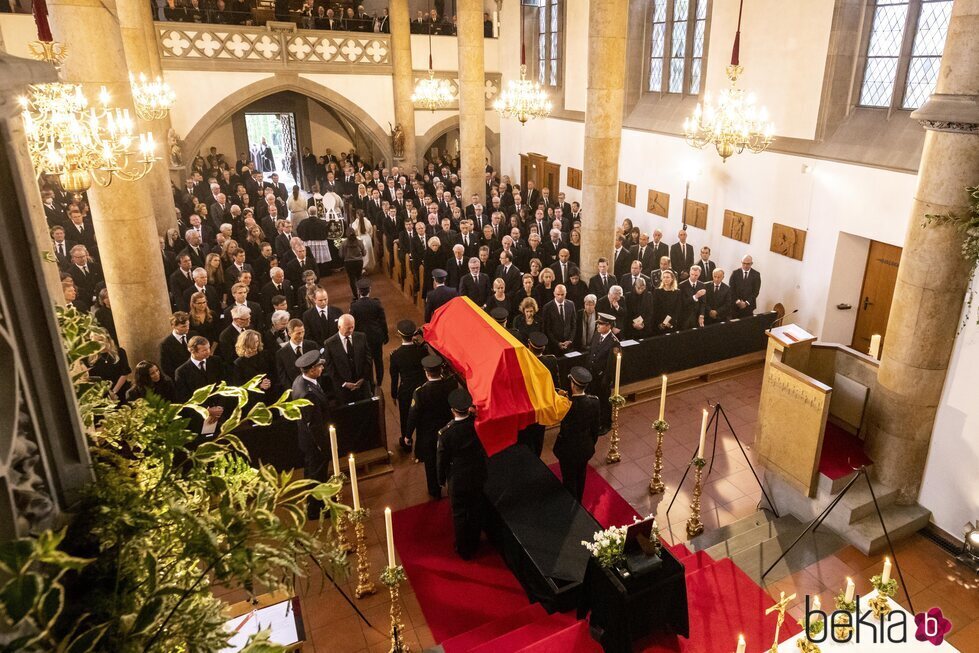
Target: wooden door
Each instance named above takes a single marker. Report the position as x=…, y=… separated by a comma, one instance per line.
x=551, y=179
x=879, y=278
x=527, y=171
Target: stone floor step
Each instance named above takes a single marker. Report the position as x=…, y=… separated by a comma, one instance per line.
x=812, y=548
x=754, y=536
x=707, y=539
x=868, y=536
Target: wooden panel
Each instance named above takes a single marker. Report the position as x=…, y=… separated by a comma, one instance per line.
x=737, y=226
x=879, y=279
x=788, y=241
x=627, y=193
x=574, y=178
x=658, y=203
x=696, y=214
x=552, y=178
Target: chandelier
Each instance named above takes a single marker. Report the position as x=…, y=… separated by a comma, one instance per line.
x=432, y=93
x=523, y=100
x=153, y=99
x=734, y=123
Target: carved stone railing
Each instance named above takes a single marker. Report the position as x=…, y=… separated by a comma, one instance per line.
x=271, y=47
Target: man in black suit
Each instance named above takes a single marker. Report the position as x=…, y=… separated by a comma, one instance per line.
x=718, y=299
x=660, y=249
x=311, y=424
x=194, y=249
x=173, y=348
x=286, y=356
x=461, y=463
x=199, y=370
x=181, y=279
x=239, y=297
x=745, y=286
x=475, y=285
x=321, y=320
x=60, y=246
x=532, y=195
x=370, y=320
x=87, y=275
x=629, y=280
x=693, y=293
x=621, y=259
x=241, y=317
x=348, y=362
x=234, y=270
x=457, y=267
x=200, y=284
x=552, y=246
x=277, y=285
x=601, y=365
x=407, y=374
x=580, y=428
x=79, y=233
x=644, y=254
x=302, y=259
x=602, y=281
x=563, y=267
x=507, y=271
x=429, y=411
x=440, y=293
x=706, y=265
x=559, y=318
x=279, y=188
x=681, y=255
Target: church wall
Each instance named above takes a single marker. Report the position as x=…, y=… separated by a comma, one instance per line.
x=325, y=130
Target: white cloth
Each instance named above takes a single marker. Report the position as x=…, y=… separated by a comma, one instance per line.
x=297, y=210
x=367, y=239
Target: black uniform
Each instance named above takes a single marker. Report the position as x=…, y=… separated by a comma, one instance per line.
x=369, y=319
x=436, y=298
x=311, y=427
x=533, y=434
x=407, y=374
x=462, y=464
x=428, y=413
x=601, y=365
x=575, y=444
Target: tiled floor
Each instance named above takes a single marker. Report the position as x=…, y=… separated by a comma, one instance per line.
x=730, y=493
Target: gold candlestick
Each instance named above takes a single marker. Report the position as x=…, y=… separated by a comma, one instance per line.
x=340, y=527
x=365, y=585
x=617, y=401
x=694, y=525
x=880, y=605
x=780, y=606
x=842, y=630
x=656, y=483
x=393, y=577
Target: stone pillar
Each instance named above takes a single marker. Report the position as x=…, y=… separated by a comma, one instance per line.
x=123, y=211
x=472, y=100
x=607, y=25
x=932, y=278
x=136, y=25
x=404, y=79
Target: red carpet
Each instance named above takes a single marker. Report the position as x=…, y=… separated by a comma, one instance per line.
x=605, y=504
x=842, y=452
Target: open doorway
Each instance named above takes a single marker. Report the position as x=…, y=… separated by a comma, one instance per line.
x=272, y=145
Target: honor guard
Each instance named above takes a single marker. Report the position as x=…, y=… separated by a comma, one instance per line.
x=600, y=364
x=312, y=422
x=462, y=465
x=532, y=435
x=428, y=413
x=369, y=319
x=407, y=374
x=575, y=444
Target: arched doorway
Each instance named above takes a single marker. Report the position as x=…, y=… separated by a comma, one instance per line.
x=443, y=137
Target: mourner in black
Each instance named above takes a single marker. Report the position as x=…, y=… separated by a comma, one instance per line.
x=575, y=444
x=312, y=423
x=407, y=374
x=601, y=364
x=462, y=465
x=428, y=413
x=440, y=294
x=372, y=322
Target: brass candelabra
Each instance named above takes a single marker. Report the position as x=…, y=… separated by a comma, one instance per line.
x=365, y=585
x=340, y=526
x=843, y=629
x=613, y=456
x=393, y=577
x=656, y=483
x=694, y=525
x=880, y=604
x=780, y=606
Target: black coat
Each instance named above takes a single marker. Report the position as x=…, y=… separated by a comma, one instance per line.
x=285, y=363
x=478, y=290
x=269, y=291
x=210, y=292
x=691, y=309
x=369, y=319
x=456, y=271
x=311, y=426
x=188, y=379
x=406, y=369
x=556, y=329
x=510, y=277
x=680, y=261
x=319, y=328
x=621, y=262
x=667, y=304
x=173, y=354
x=436, y=298
x=429, y=412
x=641, y=306
x=746, y=290
x=343, y=369
x=576, y=439
x=647, y=257
x=461, y=458
x=599, y=288
x=719, y=300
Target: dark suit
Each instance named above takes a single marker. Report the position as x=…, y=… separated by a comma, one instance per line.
x=660, y=250
x=456, y=271
x=227, y=340
x=707, y=269
x=478, y=289
x=312, y=437
x=692, y=309
x=294, y=269
x=462, y=464
x=645, y=255
x=213, y=299
x=319, y=328
x=196, y=257
x=717, y=300
x=562, y=277
x=285, y=362
x=343, y=367
x=621, y=262
x=369, y=319
x=681, y=259
x=407, y=374
x=88, y=285
x=510, y=277
x=436, y=298
x=745, y=288
x=557, y=329
x=179, y=283
x=188, y=378
x=575, y=444
x=269, y=291
x=627, y=284
x=601, y=364
x=428, y=413
x=600, y=288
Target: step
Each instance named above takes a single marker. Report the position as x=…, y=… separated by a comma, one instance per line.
x=573, y=639
x=754, y=536
x=524, y=636
x=696, y=561
x=868, y=536
x=709, y=538
x=858, y=502
x=834, y=485
x=491, y=630
x=815, y=546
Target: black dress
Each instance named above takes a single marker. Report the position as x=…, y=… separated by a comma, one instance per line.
x=245, y=369
x=518, y=299
x=103, y=316
x=641, y=306
x=666, y=303
x=164, y=388
x=110, y=370
x=433, y=260
x=210, y=330
x=543, y=295
x=493, y=302
x=519, y=324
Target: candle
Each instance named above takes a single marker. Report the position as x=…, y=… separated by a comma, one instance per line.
x=741, y=644
x=850, y=589
x=333, y=450
x=816, y=605
x=886, y=574
x=703, y=435
x=618, y=370
x=353, y=481
x=390, y=533
x=875, y=345
x=662, y=399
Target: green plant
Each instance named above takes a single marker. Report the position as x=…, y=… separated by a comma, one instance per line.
x=162, y=523
x=968, y=225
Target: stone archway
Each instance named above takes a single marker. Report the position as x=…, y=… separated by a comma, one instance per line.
x=241, y=98
x=442, y=127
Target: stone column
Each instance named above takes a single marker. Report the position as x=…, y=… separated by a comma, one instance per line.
x=607, y=25
x=932, y=278
x=472, y=100
x=136, y=26
x=404, y=79
x=123, y=211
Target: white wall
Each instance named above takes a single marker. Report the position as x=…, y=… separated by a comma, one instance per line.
x=445, y=53
x=223, y=138
x=197, y=93
x=325, y=130
x=576, y=55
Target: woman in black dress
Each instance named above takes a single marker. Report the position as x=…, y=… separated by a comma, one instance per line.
x=641, y=311
x=526, y=321
x=112, y=365
x=252, y=361
x=202, y=319
x=434, y=259
x=103, y=314
x=574, y=246
x=544, y=292
x=666, y=304
x=499, y=297
x=148, y=377
x=526, y=290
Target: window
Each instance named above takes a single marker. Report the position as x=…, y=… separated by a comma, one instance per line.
x=904, y=52
x=676, y=53
x=548, y=42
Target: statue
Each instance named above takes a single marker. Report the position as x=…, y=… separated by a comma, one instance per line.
x=173, y=147
x=398, y=139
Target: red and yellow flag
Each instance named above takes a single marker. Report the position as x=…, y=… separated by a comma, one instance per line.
x=510, y=388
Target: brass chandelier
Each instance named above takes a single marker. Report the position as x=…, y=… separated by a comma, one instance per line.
x=153, y=99
x=734, y=123
x=524, y=99
x=432, y=93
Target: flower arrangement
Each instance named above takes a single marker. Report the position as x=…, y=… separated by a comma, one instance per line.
x=608, y=546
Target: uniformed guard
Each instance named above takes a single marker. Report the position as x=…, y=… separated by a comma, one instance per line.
x=600, y=364
x=369, y=319
x=312, y=422
x=428, y=413
x=439, y=294
x=501, y=315
x=407, y=374
x=575, y=444
x=533, y=434
x=462, y=464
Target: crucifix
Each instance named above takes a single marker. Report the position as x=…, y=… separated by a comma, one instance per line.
x=780, y=605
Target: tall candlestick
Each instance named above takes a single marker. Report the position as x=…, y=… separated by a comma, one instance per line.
x=333, y=450
x=353, y=481
x=703, y=435
x=662, y=400
x=390, y=533
x=850, y=589
x=618, y=370
x=886, y=574
x=875, y=345
x=741, y=644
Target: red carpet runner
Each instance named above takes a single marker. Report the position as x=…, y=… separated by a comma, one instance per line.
x=841, y=452
x=479, y=607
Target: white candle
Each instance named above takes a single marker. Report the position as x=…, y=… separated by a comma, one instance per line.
x=662, y=400
x=850, y=589
x=816, y=605
x=333, y=449
x=875, y=345
x=353, y=481
x=703, y=435
x=886, y=574
x=618, y=370
x=390, y=533
x=741, y=644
